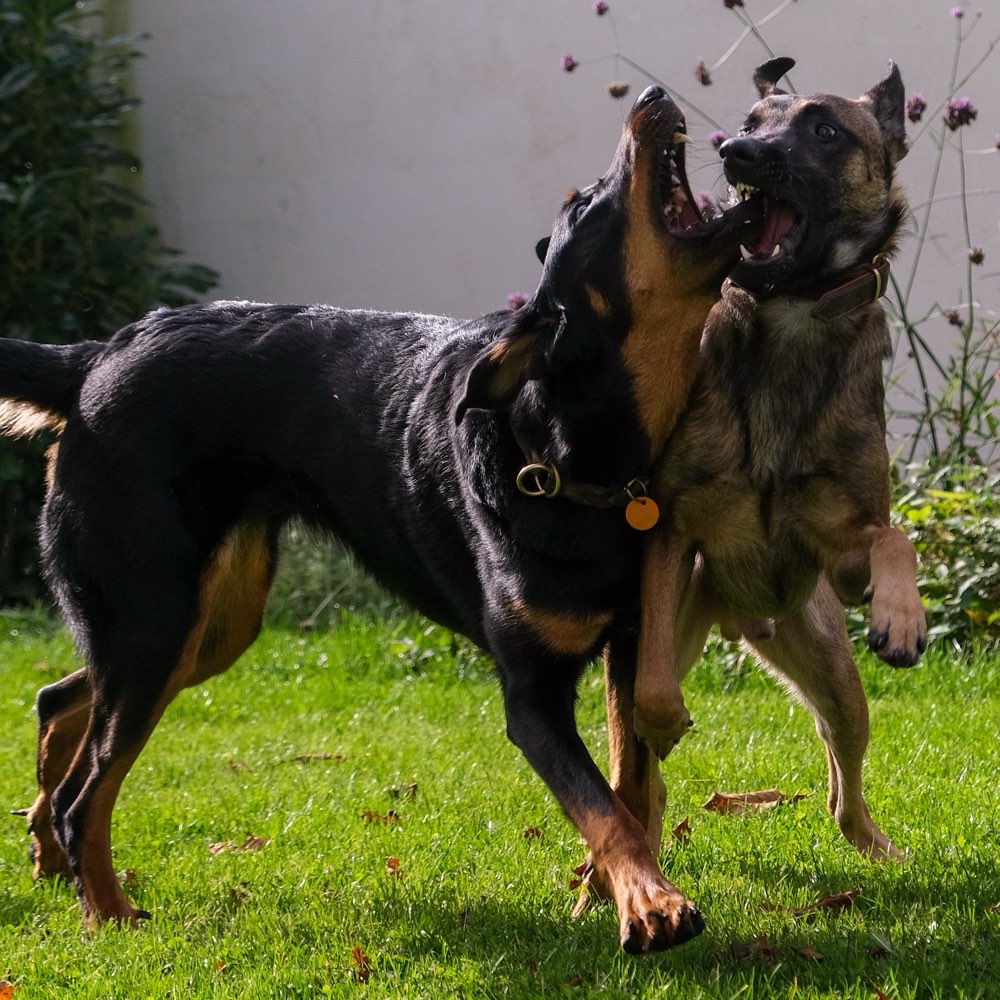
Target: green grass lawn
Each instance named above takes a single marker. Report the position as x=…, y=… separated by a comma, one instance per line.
x=342, y=749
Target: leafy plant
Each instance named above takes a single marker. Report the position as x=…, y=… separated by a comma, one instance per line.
x=952, y=515
x=79, y=256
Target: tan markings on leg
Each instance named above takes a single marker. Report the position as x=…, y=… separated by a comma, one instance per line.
x=235, y=604
x=561, y=631
x=230, y=604
x=58, y=742
x=652, y=913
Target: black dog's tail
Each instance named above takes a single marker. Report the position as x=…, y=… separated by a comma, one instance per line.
x=40, y=383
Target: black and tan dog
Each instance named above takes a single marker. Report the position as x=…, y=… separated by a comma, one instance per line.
x=480, y=470
x=775, y=483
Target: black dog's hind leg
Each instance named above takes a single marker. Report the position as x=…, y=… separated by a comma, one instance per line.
x=63, y=709
x=175, y=631
x=539, y=688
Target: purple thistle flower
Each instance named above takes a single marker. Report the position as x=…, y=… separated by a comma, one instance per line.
x=718, y=137
x=958, y=12
x=954, y=318
x=960, y=112
x=701, y=73
x=915, y=107
x=707, y=204
x=600, y=8
x=516, y=299
x=976, y=255
x=568, y=63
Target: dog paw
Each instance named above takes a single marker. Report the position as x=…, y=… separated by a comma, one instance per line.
x=898, y=631
x=661, y=733
x=48, y=860
x=656, y=917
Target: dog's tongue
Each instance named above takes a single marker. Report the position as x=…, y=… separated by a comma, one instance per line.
x=778, y=220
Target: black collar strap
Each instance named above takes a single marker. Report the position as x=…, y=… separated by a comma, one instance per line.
x=542, y=479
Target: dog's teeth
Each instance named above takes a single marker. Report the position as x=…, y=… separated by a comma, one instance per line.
x=776, y=250
x=744, y=253
x=680, y=138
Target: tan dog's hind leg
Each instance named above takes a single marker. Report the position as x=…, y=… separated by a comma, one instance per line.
x=811, y=653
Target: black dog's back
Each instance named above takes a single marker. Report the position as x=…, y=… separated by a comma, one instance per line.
x=212, y=417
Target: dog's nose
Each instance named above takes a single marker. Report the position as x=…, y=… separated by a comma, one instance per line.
x=648, y=96
x=741, y=150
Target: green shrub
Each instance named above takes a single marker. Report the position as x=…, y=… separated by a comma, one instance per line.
x=952, y=515
x=78, y=255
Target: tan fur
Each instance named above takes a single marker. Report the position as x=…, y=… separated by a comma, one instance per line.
x=25, y=420
x=561, y=632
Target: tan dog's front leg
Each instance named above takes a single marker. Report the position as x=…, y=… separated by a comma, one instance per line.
x=660, y=717
x=898, y=630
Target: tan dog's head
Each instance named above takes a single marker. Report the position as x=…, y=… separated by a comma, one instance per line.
x=822, y=168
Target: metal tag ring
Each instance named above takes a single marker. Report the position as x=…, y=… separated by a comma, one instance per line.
x=539, y=480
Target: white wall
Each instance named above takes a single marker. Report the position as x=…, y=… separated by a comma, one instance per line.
x=407, y=154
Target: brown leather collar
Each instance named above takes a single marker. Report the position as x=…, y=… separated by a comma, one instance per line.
x=842, y=293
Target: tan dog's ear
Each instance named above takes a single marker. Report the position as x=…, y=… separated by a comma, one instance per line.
x=887, y=102
x=503, y=367
x=767, y=75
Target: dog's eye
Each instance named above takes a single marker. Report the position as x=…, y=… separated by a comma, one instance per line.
x=826, y=133
x=577, y=207
x=748, y=126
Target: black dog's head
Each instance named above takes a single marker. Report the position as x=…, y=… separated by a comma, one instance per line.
x=631, y=268
x=822, y=169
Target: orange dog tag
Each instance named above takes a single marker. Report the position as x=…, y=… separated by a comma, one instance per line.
x=642, y=513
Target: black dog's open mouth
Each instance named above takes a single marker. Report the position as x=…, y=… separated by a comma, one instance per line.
x=676, y=204
x=680, y=210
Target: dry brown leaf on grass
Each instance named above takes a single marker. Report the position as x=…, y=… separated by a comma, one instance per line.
x=735, y=803
x=252, y=843
x=392, y=867
x=833, y=905
x=361, y=968
x=682, y=832
x=372, y=816
x=308, y=758
x=532, y=833
x=403, y=791
x=760, y=947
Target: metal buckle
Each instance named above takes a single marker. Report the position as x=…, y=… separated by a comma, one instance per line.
x=540, y=479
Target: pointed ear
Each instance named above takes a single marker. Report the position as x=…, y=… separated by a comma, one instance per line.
x=887, y=101
x=542, y=248
x=502, y=368
x=767, y=75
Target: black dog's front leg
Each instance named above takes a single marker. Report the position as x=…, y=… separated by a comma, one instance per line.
x=539, y=690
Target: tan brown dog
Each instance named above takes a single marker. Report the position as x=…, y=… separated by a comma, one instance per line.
x=775, y=485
